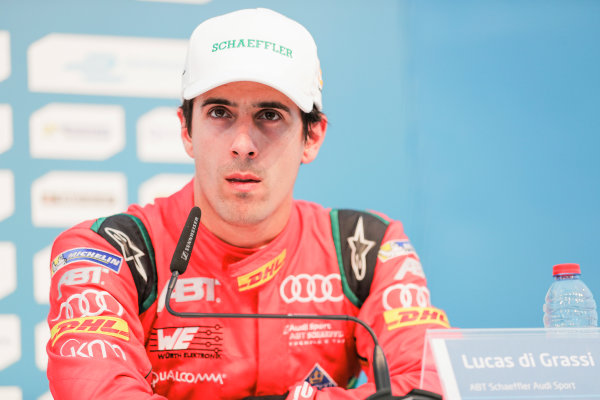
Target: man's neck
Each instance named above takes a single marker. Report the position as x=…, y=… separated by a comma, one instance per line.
x=247, y=236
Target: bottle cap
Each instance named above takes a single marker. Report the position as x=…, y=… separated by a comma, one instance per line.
x=566, y=269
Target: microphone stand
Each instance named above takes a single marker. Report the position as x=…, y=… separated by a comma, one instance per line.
x=179, y=263
x=380, y=367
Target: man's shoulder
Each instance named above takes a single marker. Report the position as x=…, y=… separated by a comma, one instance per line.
x=312, y=209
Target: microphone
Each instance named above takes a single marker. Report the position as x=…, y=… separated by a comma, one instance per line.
x=179, y=263
x=183, y=250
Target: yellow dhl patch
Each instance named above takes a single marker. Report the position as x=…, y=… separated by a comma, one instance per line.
x=262, y=274
x=401, y=317
x=110, y=326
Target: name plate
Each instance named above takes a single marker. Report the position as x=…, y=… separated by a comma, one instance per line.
x=479, y=364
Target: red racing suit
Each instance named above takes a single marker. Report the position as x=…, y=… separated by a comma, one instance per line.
x=112, y=337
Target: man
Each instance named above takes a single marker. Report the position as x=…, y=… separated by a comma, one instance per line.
x=251, y=116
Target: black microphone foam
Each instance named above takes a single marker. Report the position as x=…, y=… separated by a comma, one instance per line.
x=181, y=256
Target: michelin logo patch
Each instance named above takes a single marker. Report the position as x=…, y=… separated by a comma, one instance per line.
x=319, y=378
x=94, y=256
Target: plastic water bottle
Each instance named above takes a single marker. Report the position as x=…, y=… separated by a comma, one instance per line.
x=569, y=302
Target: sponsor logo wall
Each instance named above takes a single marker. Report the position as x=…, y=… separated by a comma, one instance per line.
x=88, y=125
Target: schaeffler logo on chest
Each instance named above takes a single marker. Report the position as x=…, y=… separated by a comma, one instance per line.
x=187, y=342
x=313, y=333
x=262, y=274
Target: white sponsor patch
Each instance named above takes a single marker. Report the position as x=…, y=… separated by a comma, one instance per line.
x=190, y=289
x=161, y=185
x=407, y=295
x=395, y=248
x=158, y=133
x=11, y=393
x=98, y=348
x=187, y=377
x=6, y=128
x=409, y=265
x=106, y=65
x=8, y=257
x=77, y=131
x=4, y=55
x=10, y=340
x=317, y=288
x=82, y=276
x=89, y=303
x=7, y=194
x=42, y=336
x=65, y=198
x=41, y=275
x=313, y=333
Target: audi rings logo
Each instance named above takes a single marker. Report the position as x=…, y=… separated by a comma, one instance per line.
x=89, y=303
x=405, y=295
x=317, y=288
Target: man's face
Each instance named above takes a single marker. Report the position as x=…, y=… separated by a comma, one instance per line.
x=247, y=145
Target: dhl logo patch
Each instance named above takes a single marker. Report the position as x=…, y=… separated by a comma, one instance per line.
x=110, y=326
x=262, y=274
x=401, y=317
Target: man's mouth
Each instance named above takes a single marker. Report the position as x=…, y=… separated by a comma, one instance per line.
x=239, y=180
x=242, y=178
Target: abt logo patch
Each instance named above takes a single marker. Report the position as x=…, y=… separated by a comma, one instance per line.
x=190, y=289
x=262, y=274
x=319, y=378
x=110, y=326
x=80, y=276
x=401, y=317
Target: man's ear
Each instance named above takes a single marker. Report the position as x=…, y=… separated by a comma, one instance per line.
x=186, y=137
x=314, y=140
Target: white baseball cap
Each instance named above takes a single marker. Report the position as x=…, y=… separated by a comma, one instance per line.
x=257, y=45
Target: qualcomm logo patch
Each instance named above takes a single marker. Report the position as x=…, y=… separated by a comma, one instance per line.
x=319, y=378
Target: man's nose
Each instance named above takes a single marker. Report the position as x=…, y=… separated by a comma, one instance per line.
x=244, y=144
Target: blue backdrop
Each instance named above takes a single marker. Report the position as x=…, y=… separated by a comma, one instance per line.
x=476, y=123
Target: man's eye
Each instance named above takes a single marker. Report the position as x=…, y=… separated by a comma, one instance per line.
x=270, y=115
x=218, y=112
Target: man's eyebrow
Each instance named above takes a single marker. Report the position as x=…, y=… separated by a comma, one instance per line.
x=273, y=104
x=219, y=101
